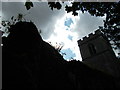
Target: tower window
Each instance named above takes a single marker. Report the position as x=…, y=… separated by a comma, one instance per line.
x=92, y=49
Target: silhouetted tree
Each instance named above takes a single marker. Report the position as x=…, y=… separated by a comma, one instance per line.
x=57, y=46
x=6, y=24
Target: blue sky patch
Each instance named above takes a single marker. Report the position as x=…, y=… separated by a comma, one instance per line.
x=67, y=29
x=68, y=22
x=70, y=37
x=69, y=53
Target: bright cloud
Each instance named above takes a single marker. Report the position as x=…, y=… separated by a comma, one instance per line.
x=67, y=37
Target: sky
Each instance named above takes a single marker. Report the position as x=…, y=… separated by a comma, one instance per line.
x=56, y=26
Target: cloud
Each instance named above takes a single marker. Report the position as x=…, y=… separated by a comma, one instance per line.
x=40, y=14
x=61, y=35
x=87, y=24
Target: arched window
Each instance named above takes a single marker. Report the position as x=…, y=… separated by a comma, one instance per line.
x=92, y=49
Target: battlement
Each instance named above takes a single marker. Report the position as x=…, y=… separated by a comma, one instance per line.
x=90, y=36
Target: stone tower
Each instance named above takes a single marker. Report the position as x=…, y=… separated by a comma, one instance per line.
x=96, y=52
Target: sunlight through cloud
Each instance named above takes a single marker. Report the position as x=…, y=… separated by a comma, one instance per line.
x=60, y=35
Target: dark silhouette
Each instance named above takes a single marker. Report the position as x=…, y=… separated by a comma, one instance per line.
x=31, y=63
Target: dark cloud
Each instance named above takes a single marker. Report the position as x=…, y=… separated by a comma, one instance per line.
x=87, y=24
x=45, y=18
x=10, y=9
x=40, y=14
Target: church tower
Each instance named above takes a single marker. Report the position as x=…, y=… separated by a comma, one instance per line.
x=97, y=52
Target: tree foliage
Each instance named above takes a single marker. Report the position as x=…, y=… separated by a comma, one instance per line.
x=53, y=5
x=28, y=4
x=6, y=24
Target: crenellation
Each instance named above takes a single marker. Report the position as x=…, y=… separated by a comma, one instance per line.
x=85, y=38
x=97, y=32
x=91, y=34
x=79, y=41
